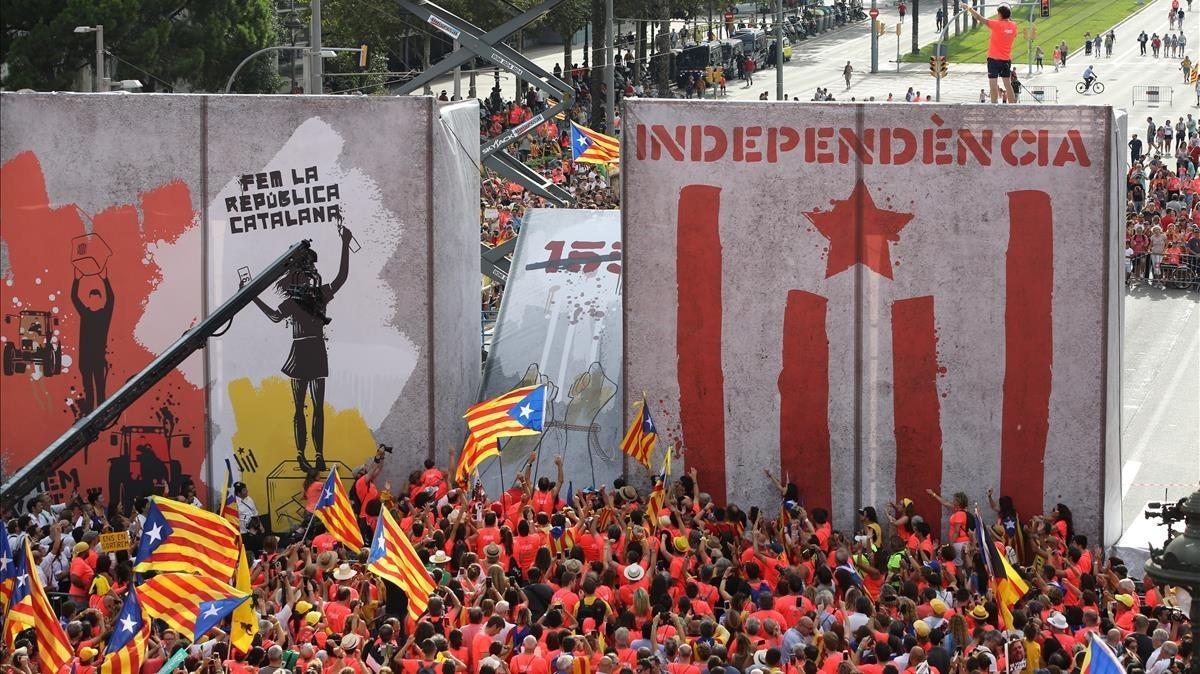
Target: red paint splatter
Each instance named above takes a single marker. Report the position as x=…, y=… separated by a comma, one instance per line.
x=698, y=335
x=804, y=398
x=38, y=237
x=917, y=411
x=1028, y=348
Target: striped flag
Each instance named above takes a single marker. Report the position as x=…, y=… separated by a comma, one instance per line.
x=190, y=604
x=334, y=511
x=593, y=147
x=8, y=567
x=126, y=651
x=174, y=534
x=658, y=495
x=30, y=608
x=393, y=558
x=518, y=412
x=229, y=509
x=1006, y=584
x=642, y=436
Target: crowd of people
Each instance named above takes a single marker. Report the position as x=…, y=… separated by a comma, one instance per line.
x=1162, y=226
x=547, y=150
x=542, y=580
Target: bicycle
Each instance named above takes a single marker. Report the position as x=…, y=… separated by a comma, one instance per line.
x=1097, y=87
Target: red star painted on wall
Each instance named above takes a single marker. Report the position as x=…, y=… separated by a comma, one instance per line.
x=878, y=227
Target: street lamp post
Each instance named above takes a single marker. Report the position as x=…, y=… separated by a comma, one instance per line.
x=99, y=81
x=315, y=66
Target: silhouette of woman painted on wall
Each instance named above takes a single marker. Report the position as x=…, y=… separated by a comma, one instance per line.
x=305, y=300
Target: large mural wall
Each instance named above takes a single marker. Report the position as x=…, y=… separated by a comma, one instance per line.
x=125, y=217
x=923, y=302
x=560, y=325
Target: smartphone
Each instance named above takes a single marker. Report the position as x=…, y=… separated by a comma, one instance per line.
x=244, y=275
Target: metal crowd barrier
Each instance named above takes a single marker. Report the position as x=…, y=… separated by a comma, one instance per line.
x=1166, y=272
x=1152, y=94
x=1038, y=94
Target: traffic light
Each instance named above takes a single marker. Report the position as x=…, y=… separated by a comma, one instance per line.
x=1045, y=9
x=938, y=66
x=881, y=27
x=362, y=56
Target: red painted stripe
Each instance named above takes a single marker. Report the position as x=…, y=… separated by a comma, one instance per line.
x=1028, y=348
x=804, y=398
x=698, y=333
x=916, y=406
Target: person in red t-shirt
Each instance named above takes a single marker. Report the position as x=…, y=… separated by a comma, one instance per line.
x=999, y=54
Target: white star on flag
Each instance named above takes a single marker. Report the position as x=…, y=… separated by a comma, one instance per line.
x=526, y=410
x=582, y=141
x=127, y=624
x=155, y=534
x=22, y=578
x=326, y=495
x=4, y=563
x=381, y=544
x=212, y=611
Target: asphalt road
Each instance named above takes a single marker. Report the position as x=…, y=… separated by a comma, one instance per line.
x=1160, y=402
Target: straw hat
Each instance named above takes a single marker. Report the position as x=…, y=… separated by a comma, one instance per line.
x=979, y=612
x=326, y=560
x=349, y=642
x=634, y=572
x=344, y=572
x=573, y=565
x=492, y=552
x=439, y=557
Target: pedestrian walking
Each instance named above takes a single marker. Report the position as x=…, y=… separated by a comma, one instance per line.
x=1057, y=56
x=1096, y=45
x=1142, y=40
x=1063, y=51
x=1039, y=55
x=1155, y=44
x=1109, y=40
x=903, y=9
x=846, y=72
x=941, y=19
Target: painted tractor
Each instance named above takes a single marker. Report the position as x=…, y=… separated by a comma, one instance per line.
x=145, y=465
x=36, y=344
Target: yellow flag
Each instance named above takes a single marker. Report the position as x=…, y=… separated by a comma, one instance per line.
x=245, y=620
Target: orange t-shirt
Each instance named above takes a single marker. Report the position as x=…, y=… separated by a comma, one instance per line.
x=1003, y=34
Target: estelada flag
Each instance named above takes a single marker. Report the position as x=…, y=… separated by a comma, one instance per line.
x=189, y=603
x=126, y=650
x=642, y=436
x=593, y=147
x=394, y=559
x=519, y=412
x=1006, y=584
x=183, y=538
x=334, y=510
x=29, y=607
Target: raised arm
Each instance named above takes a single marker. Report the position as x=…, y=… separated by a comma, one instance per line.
x=973, y=13
x=344, y=263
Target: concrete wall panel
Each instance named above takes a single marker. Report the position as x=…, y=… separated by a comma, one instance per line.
x=873, y=300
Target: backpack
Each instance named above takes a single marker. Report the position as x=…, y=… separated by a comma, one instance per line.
x=425, y=667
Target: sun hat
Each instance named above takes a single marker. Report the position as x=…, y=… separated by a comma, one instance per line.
x=979, y=612
x=634, y=572
x=1057, y=621
x=303, y=607
x=492, y=551
x=1124, y=599
x=344, y=572
x=81, y=548
x=312, y=617
x=573, y=565
x=439, y=557
x=628, y=493
x=326, y=560
x=938, y=606
x=681, y=543
x=349, y=642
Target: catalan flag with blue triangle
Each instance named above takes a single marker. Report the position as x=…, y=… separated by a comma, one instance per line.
x=518, y=412
x=334, y=510
x=29, y=607
x=593, y=147
x=188, y=603
x=394, y=559
x=642, y=436
x=8, y=567
x=175, y=534
x=126, y=651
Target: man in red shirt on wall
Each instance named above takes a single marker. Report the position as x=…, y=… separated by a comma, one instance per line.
x=999, y=55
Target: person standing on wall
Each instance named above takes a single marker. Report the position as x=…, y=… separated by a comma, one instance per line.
x=999, y=54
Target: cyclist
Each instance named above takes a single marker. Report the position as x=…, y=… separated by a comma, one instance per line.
x=1089, y=76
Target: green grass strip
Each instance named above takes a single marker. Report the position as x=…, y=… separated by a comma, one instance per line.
x=1069, y=20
